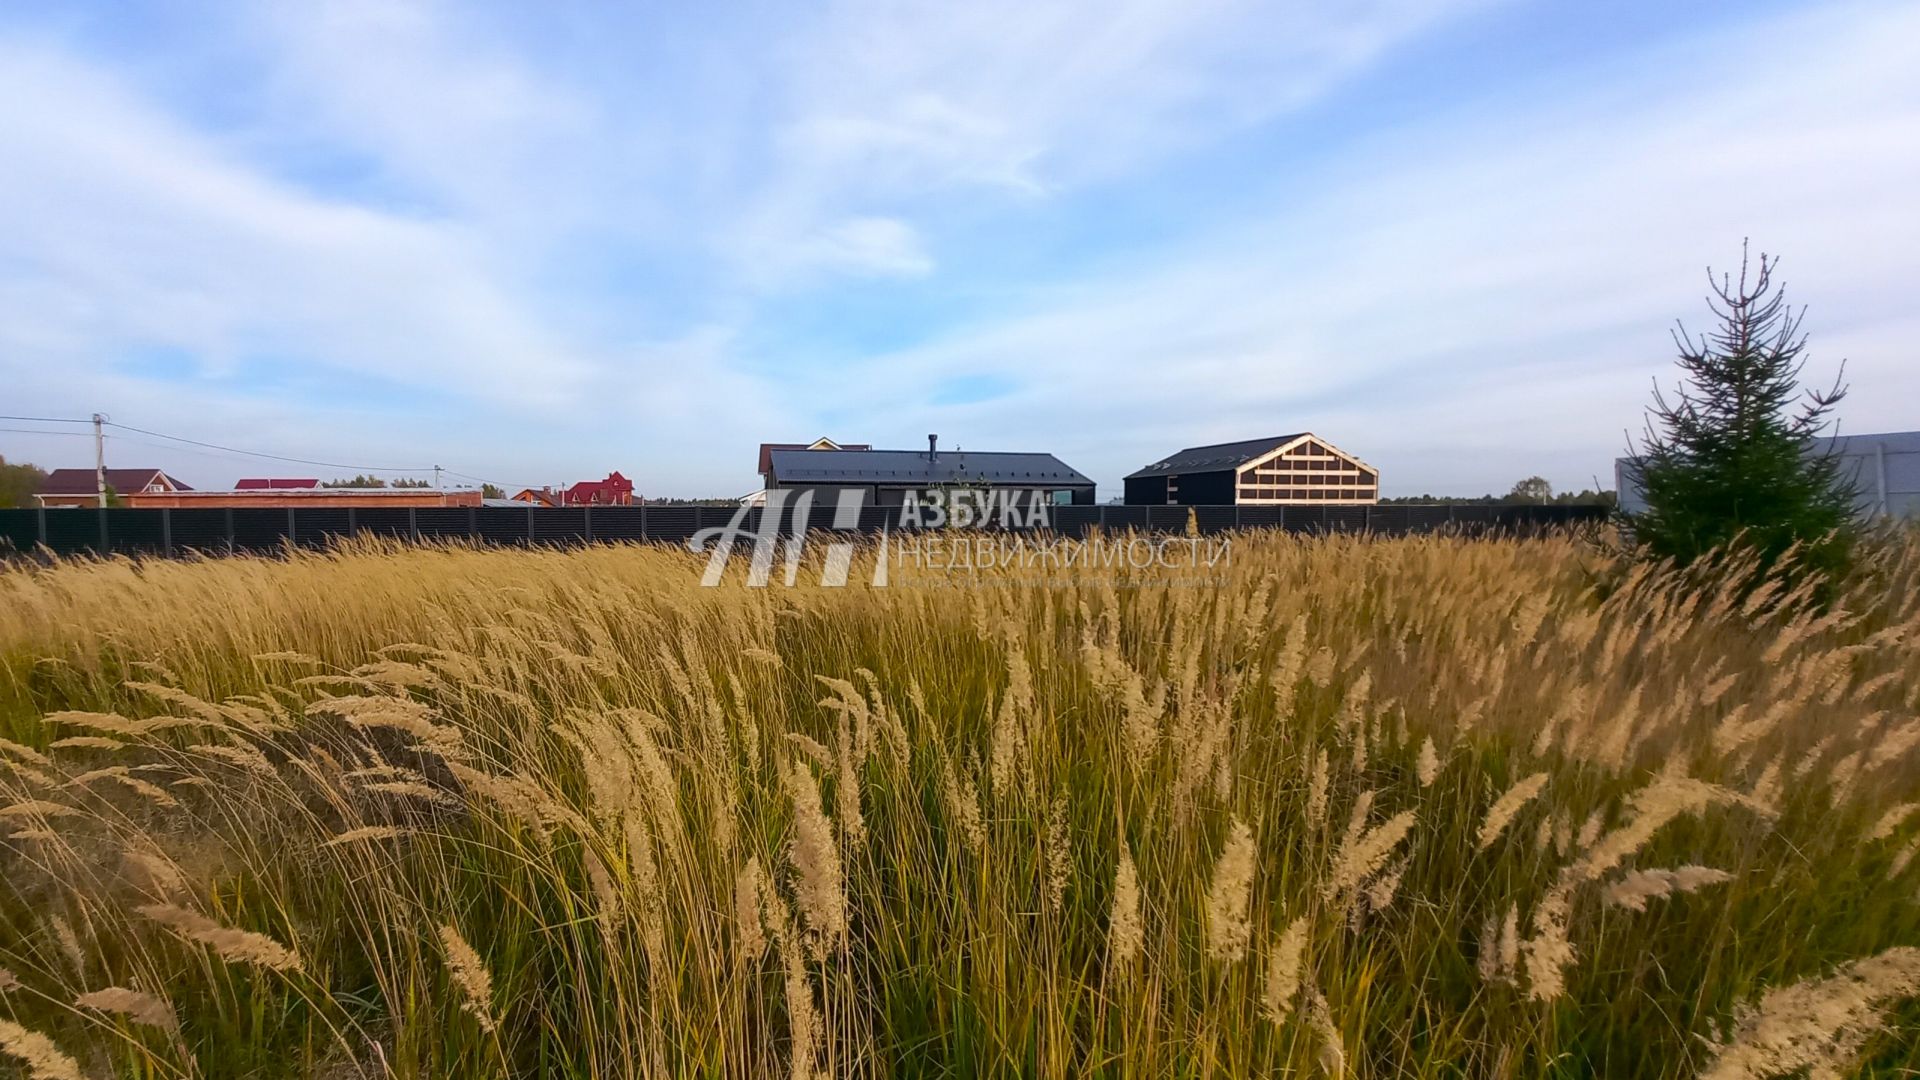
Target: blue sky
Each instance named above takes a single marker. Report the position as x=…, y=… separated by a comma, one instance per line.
x=537, y=242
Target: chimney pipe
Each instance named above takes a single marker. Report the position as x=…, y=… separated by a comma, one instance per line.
x=932, y=448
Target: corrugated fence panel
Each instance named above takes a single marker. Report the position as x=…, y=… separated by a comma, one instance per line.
x=1472, y=518
x=619, y=523
x=1212, y=519
x=136, y=532
x=383, y=521
x=319, y=526
x=562, y=525
x=260, y=529
x=439, y=522
x=71, y=531
x=19, y=530
x=1168, y=518
x=1306, y=518
x=204, y=531
x=1074, y=520
x=1346, y=518
x=501, y=525
x=671, y=522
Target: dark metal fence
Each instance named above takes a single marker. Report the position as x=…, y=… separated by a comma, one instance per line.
x=176, y=532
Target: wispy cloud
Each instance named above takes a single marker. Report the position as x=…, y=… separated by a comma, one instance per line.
x=1491, y=294
x=125, y=230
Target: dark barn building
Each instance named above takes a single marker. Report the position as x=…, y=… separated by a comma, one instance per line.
x=1282, y=470
x=884, y=477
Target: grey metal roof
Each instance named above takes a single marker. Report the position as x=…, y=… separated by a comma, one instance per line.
x=912, y=467
x=1214, y=458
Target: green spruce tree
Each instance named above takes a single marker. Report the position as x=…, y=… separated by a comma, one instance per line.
x=1729, y=459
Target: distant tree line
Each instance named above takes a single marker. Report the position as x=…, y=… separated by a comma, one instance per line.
x=18, y=482
x=1533, y=491
x=375, y=482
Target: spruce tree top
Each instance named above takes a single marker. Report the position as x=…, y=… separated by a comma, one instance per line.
x=1733, y=451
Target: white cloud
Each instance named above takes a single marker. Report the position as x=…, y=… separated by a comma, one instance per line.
x=890, y=104
x=128, y=232
x=876, y=246
x=1490, y=296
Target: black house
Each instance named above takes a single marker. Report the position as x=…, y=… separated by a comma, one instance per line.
x=884, y=477
x=1282, y=470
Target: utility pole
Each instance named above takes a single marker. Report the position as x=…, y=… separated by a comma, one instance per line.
x=436, y=478
x=100, y=458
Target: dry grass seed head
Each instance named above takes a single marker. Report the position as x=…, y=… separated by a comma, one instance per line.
x=234, y=945
x=140, y=1008
x=470, y=974
x=1819, y=1024
x=1125, y=931
x=1228, y=900
x=41, y=1056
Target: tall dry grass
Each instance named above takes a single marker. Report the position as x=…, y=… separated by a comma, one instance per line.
x=1421, y=806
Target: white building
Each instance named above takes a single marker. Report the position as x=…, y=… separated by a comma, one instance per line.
x=1885, y=469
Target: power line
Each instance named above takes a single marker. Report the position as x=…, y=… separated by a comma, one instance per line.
x=484, y=480
x=271, y=457
x=44, y=431
x=228, y=449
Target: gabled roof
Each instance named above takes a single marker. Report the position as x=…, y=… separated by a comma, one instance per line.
x=912, y=467
x=1217, y=457
x=83, y=482
x=274, y=483
x=821, y=443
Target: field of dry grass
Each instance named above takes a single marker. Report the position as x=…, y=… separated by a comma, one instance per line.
x=1392, y=807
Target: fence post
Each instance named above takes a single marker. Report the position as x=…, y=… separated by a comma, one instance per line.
x=587, y=515
x=413, y=524
x=292, y=533
x=643, y=523
x=166, y=532
x=229, y=520
x=530, y=507
x=353, y=523
x=42, y=521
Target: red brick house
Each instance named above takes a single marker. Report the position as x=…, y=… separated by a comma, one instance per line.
x=79, y=487
x=615, y=490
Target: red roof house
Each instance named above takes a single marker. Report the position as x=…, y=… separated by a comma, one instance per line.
x=274, y=483
x=79, y=487
x=615, y=490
